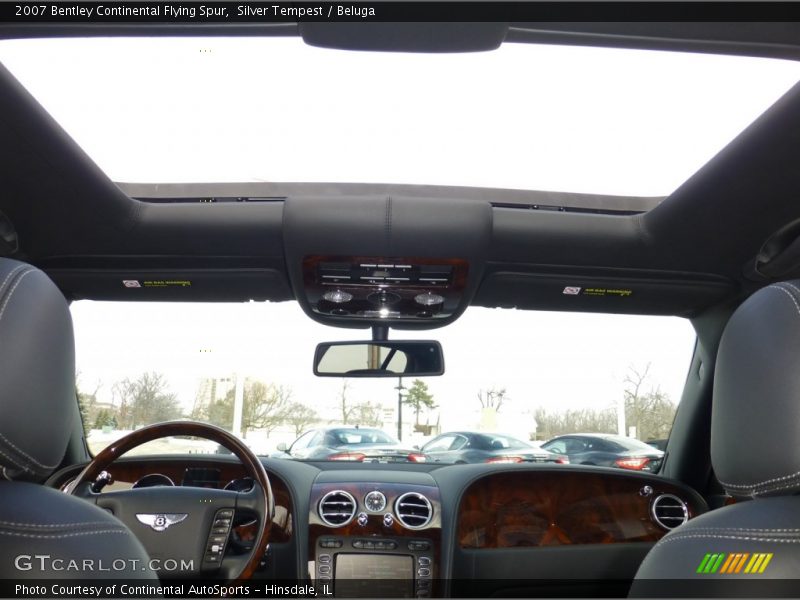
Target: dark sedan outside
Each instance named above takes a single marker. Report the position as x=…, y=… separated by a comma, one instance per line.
x=461, y=447
x=360, y=444
x=606, y=450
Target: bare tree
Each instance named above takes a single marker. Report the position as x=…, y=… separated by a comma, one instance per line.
x=145, y=400
x=367, y=414
x=264, y=406
x=300, y=417
x=348, y=411
x=87, y=402
x=651, y=412
x=493, y=398
x=585, y=420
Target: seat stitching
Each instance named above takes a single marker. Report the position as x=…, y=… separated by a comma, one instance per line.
x=766, y=485
x=788, y=293
x=9, y=275
x=12, y=290
x=746, y=529
x=55, y=536
x=754, y=538
x=87, y=523
x=23, y=453
x=791, y=285
x=17, y=465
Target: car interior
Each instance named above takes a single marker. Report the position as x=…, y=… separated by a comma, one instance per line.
x=720, y=251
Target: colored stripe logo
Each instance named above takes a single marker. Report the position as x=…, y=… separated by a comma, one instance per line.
x=734, y=563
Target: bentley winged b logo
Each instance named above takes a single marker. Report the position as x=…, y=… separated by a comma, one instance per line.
x=160, y=521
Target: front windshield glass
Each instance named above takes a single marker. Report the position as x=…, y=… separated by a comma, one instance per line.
x=515, y=379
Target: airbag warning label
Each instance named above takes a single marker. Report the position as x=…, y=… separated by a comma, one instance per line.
x=156, y=283
x=596, y=291
x=162, y=283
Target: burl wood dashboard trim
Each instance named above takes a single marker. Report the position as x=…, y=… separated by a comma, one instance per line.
x=554, y=508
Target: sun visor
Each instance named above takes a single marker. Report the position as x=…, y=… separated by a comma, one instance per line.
x=161, y=285
x=582, y=293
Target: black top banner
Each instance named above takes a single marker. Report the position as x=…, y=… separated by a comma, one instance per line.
x=66, y=12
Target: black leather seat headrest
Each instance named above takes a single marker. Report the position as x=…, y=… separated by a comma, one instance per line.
x=37, y=372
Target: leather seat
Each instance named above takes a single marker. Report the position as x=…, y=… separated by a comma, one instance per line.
x=45, y=533
x=755, y=453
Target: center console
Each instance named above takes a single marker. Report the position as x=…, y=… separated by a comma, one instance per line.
x=375, y=539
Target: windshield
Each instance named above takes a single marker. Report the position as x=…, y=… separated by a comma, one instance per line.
x=513, y=380
x=524, y=116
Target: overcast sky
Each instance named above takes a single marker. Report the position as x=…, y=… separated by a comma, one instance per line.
x=524, y=116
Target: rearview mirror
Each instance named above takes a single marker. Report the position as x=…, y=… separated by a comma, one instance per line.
x=379, y=359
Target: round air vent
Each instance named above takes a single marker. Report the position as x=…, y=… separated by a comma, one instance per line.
x=669, y=511
x=413, y=510
x=337, y=508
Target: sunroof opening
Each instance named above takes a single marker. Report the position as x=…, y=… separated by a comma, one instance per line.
x=536, y=117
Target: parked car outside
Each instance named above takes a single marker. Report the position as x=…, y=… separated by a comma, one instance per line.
x=606, y=450
x=348, y=443
x=460, y=447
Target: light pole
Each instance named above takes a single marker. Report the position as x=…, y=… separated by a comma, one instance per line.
x=400, y=390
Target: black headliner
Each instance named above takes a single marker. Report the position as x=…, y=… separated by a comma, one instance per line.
x=680, y=255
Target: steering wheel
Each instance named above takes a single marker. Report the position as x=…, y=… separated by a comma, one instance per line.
x=185, y=530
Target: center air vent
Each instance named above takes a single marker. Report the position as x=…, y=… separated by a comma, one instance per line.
x=669, y=511
x=337, y=508
x=413, y=510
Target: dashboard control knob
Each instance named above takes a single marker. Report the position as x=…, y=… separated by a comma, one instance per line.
x=362, y=519
x=388, y=520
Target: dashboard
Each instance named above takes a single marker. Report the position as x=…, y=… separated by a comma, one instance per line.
x=420, y=530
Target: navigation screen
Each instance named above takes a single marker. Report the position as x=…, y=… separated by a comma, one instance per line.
x=374, y=575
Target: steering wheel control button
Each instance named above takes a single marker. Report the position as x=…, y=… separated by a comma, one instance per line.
x=388, y=520
x=218, y=537
x=363, y=519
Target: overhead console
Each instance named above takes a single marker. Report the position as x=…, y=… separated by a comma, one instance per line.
x=384, y=288
x=408, y=263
